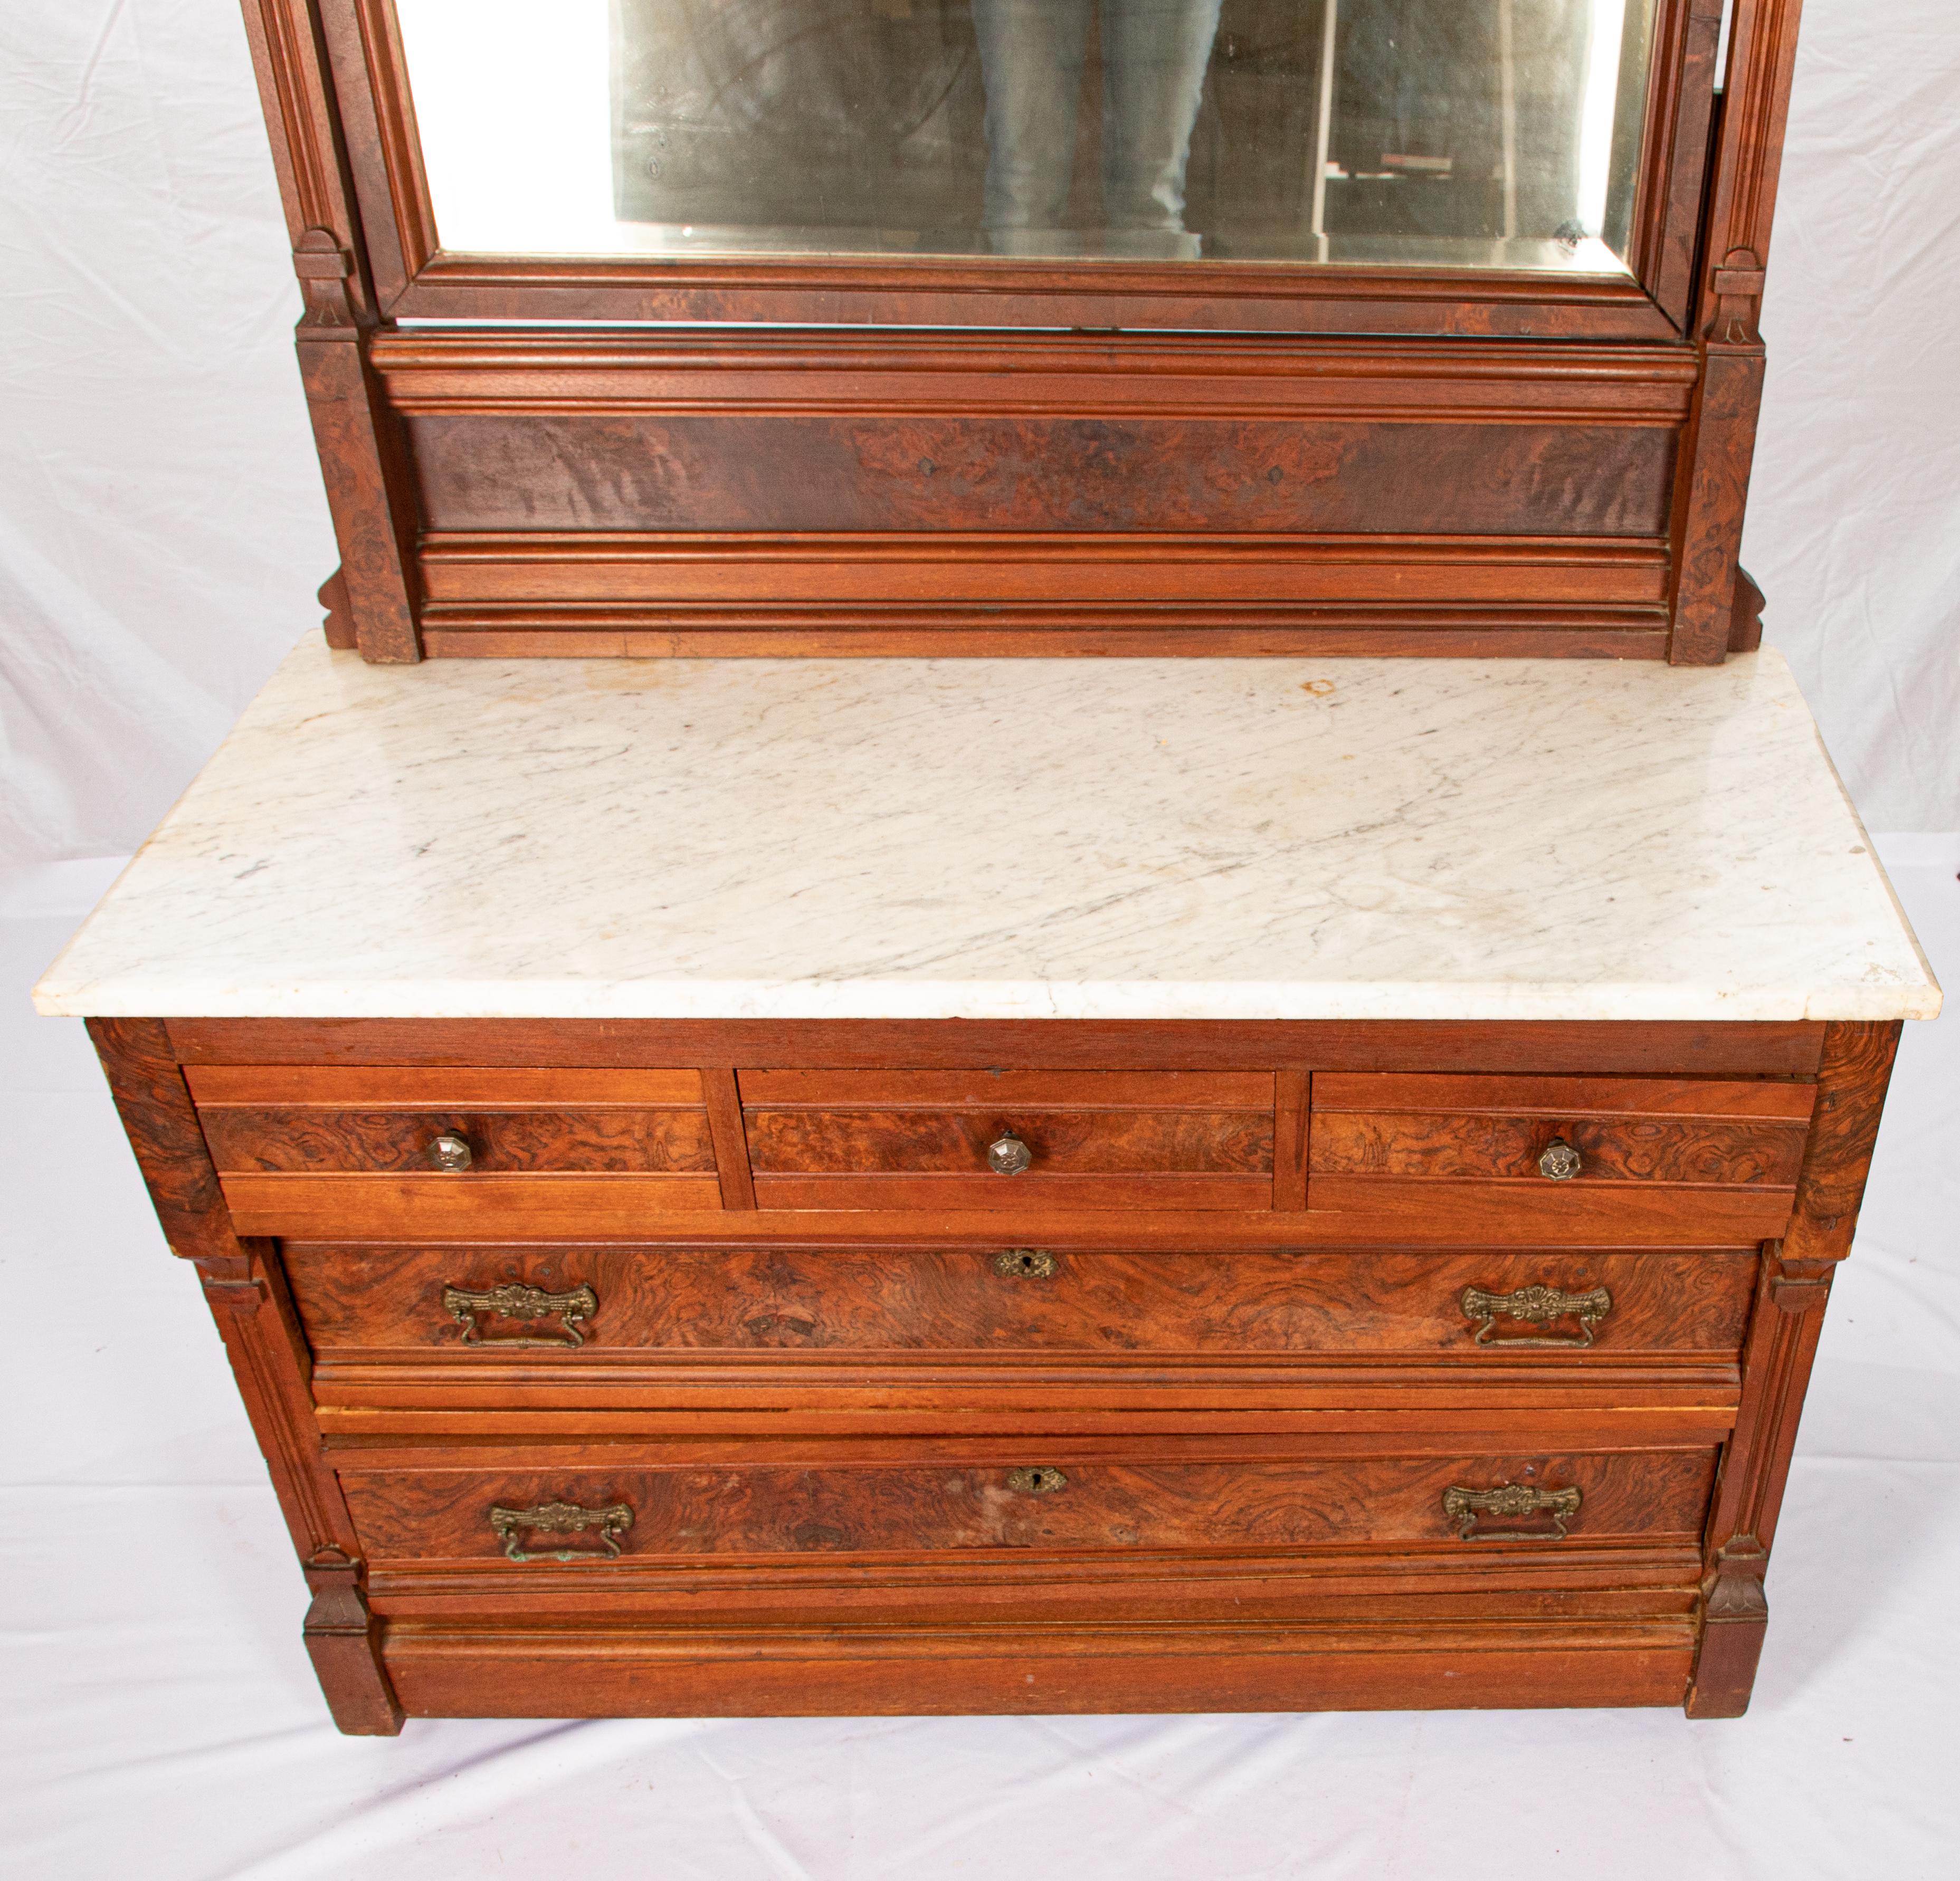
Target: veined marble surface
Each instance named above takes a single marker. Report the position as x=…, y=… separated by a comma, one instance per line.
x=1080, y=838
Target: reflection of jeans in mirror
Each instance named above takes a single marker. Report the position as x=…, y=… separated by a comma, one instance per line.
x=1032, y=54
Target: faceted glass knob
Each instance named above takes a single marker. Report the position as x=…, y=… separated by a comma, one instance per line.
x=450, y=1151
x=1007, y=1155
x=1561, y=1161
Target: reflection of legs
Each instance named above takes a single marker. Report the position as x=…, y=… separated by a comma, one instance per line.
x=1154, y=56
x=1031, y=58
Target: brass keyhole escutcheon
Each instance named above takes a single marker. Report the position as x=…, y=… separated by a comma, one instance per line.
x=1042, y=1480
x=1025, y=1263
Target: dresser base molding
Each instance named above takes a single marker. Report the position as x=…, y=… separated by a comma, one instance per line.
x=1677, y=1350
x=454, y=1673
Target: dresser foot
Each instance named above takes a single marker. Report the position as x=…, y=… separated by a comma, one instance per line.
x=343, y=1639
x=1732, y=1639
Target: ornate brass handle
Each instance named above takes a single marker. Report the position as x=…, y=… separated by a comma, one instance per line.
x=450, y=1153
x=511, y=1526
x=1041, y=1481
x=1561, y=1161
x=1510, y=1501
x=517, y=1301
x=1025, y=1263
x=1536, y=1305
x=1007, y=1155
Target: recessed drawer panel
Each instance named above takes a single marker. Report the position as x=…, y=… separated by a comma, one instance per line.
x=589, y=1305
x=987, y=1140
x=1443, y=1152
x=587, y=1520
x=302, y=1146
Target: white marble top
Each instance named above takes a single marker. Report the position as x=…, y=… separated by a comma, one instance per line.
x=1074, y=838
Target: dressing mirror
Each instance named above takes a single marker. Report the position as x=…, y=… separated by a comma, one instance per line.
x=1462, y=134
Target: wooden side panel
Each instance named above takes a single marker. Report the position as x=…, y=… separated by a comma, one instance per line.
x=256, y=1317
x=1794, y=1291
x=1717, y=450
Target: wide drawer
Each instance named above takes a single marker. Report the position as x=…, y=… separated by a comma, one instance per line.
x=300, y=1144
x=1010, y=1139
x=586, y=1305
x=587, y=1520
x=1574, y=1156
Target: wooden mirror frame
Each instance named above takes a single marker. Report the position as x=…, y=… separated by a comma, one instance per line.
x=1210, y=458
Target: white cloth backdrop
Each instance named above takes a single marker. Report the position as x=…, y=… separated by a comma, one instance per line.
x=162, y=529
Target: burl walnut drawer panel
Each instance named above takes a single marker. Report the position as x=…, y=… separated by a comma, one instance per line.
x=1008, y=1139
x=578, y=1304
x=1576, y=1155
x=301, y=1146
x=443, y=1517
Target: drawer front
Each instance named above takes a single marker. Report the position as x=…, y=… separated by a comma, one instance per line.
x=534, y=1304
x=1447, y=1151
x=295, y=1145
x=594, y=1518
x=938, y=1139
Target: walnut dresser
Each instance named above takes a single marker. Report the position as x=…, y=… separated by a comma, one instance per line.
x=828, y=1186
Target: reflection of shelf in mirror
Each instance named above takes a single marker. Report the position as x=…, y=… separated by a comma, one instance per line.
x=657, y=241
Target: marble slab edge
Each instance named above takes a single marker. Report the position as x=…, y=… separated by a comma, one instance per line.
x=133, y=996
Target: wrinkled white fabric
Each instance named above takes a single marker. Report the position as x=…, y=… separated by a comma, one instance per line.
x=162, y=527
x=160, y=1718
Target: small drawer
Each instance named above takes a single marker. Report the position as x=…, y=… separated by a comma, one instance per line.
x=1574, y=1156
x=378, y=1150
x=945, y=1501
x=592, y=1306
x=989, y=1140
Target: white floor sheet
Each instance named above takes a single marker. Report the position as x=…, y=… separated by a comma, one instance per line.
x=158, y=1716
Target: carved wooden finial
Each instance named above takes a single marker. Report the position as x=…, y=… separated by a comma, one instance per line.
x=1745, y=621
x=338, y=625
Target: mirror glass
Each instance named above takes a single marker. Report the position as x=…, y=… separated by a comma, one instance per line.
x=1433, y=133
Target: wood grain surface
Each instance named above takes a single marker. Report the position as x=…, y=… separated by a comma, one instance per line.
x=930, y=1507
x=361, y=1302
x=465, y=1671
x=621, y=1142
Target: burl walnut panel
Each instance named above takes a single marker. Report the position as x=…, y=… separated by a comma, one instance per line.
x=626, y=470
x=443, y=1516
x=357, y=1301
x=920, y=1138
x=619, y=1142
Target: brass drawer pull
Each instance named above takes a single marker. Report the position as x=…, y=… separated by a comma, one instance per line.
x=1536, y=1305
x=1042, y=1481
x=1509, y=1501
x=1561, y=1161
x=517, y=1301
x=1007, y=1155
x=450, y=1153
x=511, y=1526
x=1025, y=1263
